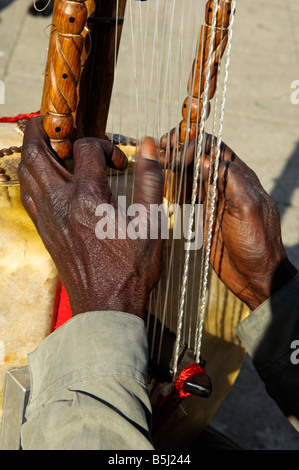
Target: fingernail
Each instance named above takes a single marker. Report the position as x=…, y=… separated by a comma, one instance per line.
x=207, y=162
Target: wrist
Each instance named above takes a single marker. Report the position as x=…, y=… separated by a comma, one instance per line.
x=94, y=303
x=284, y=272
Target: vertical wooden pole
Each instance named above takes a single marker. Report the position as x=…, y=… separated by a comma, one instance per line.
x=189, y=127
x=63, y=71
x=192, y=106
x=98, y=73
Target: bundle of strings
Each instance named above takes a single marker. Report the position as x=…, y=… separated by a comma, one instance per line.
x=152, y=69
x=147, y=99
x=154, y=65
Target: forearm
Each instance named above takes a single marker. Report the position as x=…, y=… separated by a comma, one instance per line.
x=268, y=335
x=88, y=386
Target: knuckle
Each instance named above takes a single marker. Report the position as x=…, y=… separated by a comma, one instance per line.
x=84, y=142
x=88, y=144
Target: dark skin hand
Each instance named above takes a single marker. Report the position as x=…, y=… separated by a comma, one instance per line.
x=115, y=275
x=247, y=252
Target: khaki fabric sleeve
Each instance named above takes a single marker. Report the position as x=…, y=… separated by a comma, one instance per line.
x=271, y=336
x=89, y=386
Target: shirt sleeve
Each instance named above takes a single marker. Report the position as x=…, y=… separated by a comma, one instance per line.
x=89, y=386
x=271, y=336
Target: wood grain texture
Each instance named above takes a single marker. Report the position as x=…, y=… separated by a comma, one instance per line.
x=63, y=72
x=192, y=109
x=192, y=106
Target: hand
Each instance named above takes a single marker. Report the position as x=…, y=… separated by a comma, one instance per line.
x=247, y=252
x=97, y=274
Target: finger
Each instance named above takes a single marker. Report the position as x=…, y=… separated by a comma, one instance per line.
x=29, y=206
x=39, y=158
x=27, y=182
x=86, y=153
x=177, y=158
x=35, y=214
x=227, y=155
x=148, y=175
x=30, y=189
x=90, y=168
x=238, y=190
x=174, y=156
x=168, y=142
x=115, y=157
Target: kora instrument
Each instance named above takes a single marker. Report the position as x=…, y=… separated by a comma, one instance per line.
x=77, y=98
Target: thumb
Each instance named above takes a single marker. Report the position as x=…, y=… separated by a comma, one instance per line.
x=148, y=175
x=149, y=185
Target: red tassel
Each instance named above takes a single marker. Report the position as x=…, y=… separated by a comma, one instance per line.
x=19, y=117
x=193, y=369
x=172, y=395
x=64, y=310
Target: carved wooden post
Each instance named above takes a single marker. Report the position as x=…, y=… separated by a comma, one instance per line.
x=192, y=105
x=63, y=72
